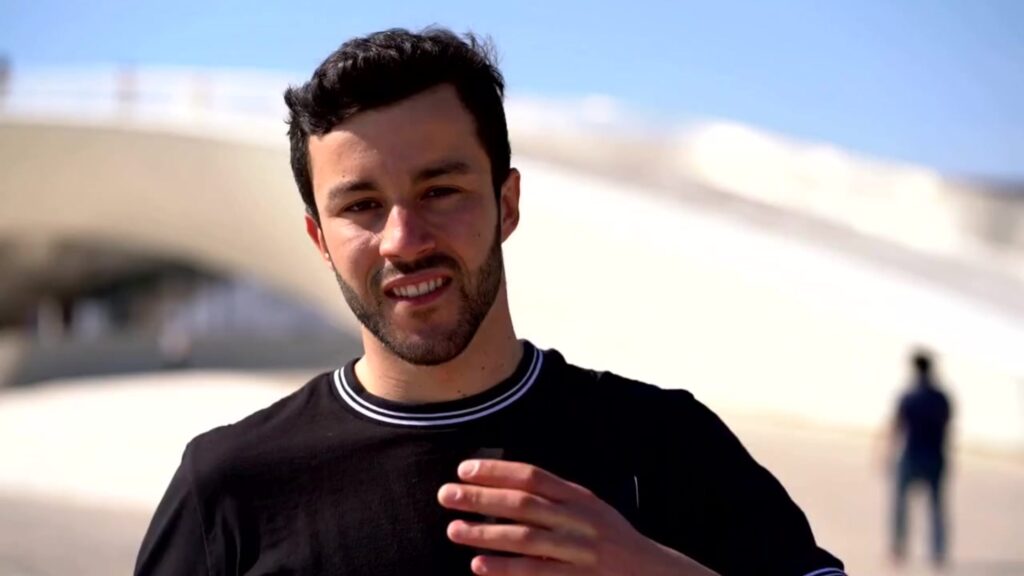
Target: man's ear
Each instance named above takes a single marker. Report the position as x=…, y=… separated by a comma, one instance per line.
x=508, y=204
x=317, y=236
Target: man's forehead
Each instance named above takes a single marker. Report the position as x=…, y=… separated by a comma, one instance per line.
x=409, y=151
x=412, y=133
x=435, y=109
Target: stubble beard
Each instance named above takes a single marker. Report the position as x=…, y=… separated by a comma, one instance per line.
x=477, y=293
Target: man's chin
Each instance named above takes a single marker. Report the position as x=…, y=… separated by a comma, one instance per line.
x=421, y=330
x=425, y=351
x=422, y=339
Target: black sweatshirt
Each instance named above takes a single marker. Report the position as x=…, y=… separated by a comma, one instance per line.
x=332, y=480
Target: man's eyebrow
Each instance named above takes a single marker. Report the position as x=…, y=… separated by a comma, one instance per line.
x=443, y=168
x=339, y=190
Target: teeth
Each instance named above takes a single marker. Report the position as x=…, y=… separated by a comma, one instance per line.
x=420, y=289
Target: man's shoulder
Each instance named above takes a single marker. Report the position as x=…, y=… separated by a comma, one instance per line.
x=925, y=397
x=628, y=397
x=262, y=431
x=644, y=394
x=606, y=381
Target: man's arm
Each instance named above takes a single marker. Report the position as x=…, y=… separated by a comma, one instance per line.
x=763, y=531
x=758, y=528
x=175, y=544
x=897, y=430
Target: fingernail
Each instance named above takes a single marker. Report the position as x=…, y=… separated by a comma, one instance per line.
x=451, y=493
x=468, y=468
x=456, y=529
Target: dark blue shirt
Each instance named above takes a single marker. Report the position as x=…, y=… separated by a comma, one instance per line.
x=924, y=414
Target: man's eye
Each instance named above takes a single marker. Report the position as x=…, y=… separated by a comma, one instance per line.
x=441, y=191
x=362, y=206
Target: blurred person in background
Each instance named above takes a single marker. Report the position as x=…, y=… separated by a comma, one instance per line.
x=918, y=434
x=452, y=445
x=175, y=346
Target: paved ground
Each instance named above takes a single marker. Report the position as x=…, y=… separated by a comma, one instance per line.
x=87, y=515
x=838, y=479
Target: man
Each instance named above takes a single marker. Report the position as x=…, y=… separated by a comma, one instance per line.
x=922, y=418
x=451, y=446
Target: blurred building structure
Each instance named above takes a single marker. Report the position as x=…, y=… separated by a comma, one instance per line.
x=766, y=275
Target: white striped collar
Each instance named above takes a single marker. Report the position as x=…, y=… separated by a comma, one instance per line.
x=445, y=413
x=827, y=572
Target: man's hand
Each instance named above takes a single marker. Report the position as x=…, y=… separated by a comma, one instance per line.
x=556, y=527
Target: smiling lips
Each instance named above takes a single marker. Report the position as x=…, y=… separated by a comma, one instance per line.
x=415, y=291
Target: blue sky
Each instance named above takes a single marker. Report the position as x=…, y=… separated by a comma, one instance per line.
x=937, y=82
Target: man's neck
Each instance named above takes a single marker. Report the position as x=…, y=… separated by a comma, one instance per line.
x=490, y=358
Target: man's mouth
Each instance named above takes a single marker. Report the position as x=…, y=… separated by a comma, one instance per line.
x=418, y=289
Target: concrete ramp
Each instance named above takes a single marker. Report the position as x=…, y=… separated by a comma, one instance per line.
x=747, y=318
x=227, y=204
x=617, y=274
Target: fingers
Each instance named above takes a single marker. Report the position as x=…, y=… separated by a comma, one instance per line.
x=520, y=476
x=511, y=504
x=497, y=566
x=532, y=541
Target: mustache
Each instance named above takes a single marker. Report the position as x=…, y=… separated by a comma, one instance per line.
x=393, y=269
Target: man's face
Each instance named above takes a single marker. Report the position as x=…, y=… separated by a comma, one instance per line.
x=409, y=223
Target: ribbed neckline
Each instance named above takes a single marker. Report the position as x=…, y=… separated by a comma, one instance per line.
x=449, y=413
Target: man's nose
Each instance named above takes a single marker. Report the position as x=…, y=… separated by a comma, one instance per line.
x=405, y=236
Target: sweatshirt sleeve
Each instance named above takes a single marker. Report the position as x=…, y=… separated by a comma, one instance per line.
x=758, y=528
x=175, y=543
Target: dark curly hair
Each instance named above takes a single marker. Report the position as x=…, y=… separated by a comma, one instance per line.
x=386, y=67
